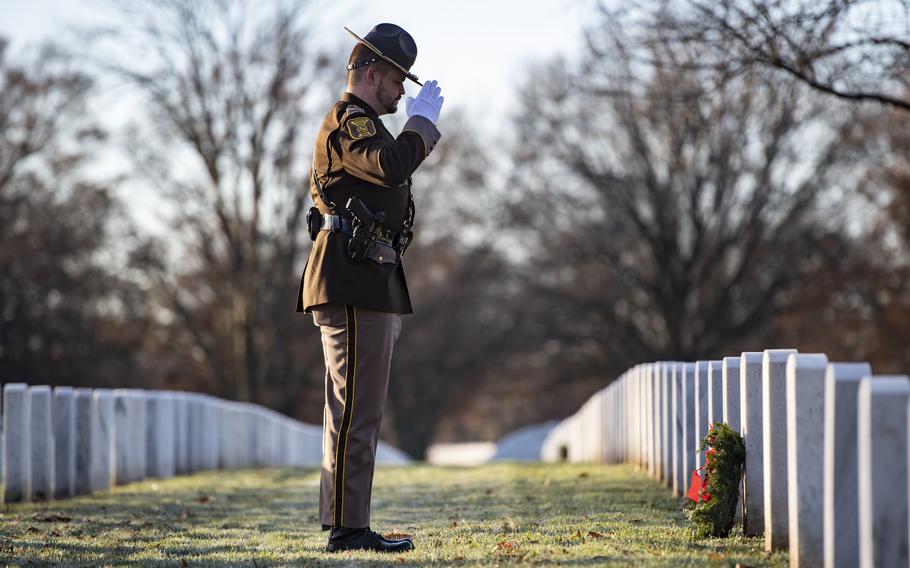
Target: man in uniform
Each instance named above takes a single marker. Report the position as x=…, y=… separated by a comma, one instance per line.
x=354, y=283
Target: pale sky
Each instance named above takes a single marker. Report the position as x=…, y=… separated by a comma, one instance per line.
x=477, y=50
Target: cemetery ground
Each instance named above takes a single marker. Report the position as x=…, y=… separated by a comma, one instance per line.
x=501, y=514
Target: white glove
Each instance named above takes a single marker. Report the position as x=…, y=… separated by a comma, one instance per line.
x=427, y=103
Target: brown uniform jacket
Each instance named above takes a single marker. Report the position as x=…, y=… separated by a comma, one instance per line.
x=356, y=156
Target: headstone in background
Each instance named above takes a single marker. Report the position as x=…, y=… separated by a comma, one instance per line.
x=750, y=389
x=882, y=475
x=103, y=452
x=687, y=452
x=160, y=440
x=774, y=426
x=701, y=409
x=841, y=503
x=16, y=443
x=805, y=459
x=731, y=399
x=85, y=416
x=715, y=391
x=41, y=433
x=64, y=442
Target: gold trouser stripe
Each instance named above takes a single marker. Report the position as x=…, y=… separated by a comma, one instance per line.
x=350, y=380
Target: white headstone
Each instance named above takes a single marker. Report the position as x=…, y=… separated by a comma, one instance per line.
x=731, y=408
x=64, y=442
x=666, y=442
x=16, y=443
x=774, y=427
x=750, y=388
x=731, y=402
x=85, y=413
x=715, y=392
x=205, y=433
x=41, y=459
x=138, y=431
x=181, y=432
x=649, y=426
x=122, y=436
x=701, y=409
x=676, y=428
x=882, y=474
x=312, y=443
x=841, y=503
x=805, y=459
x=686, y=373
x=104, y=455
x=160, y=440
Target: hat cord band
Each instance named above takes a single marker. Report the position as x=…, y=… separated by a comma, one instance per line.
x=360, y=64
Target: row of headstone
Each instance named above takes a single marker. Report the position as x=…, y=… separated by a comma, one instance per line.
x=826, y=446
x=61, y=442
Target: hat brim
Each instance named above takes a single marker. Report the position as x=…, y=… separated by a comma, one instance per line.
x=373, y=48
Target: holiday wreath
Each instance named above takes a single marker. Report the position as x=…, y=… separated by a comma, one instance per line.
x=716, y=494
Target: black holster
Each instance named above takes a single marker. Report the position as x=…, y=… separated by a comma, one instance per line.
x=366, y=228
x=313, y=222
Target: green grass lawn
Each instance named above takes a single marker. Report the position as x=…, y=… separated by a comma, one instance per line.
x=506, y=514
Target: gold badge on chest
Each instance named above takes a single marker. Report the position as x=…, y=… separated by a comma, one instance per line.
x=361, y=127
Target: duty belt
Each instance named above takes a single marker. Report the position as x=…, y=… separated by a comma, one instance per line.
x=338, y=224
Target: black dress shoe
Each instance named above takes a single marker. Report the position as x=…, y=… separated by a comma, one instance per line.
x=365, y=539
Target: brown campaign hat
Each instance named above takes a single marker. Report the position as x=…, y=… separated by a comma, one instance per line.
x=391, y=43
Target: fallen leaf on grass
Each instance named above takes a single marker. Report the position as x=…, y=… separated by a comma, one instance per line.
x=203, y=499
x=55, y=532
x=504, y=546
x=715, y=556
x=583, y=474
x=396, y=535
x=595, y=534
x=635, y=521
x=546, y=482
x=489, y=492
x=33, y=529
x=401, y=560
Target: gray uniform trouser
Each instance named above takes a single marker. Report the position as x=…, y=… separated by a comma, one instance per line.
x=358, y=346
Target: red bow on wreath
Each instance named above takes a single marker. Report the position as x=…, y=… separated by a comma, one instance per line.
x=698, y=489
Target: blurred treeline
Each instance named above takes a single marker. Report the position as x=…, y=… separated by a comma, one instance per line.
x=708, y=178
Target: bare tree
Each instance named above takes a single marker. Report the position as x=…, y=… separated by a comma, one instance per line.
x=461, y=288
x=226, y=86
x=67, y=313
x=673, y=213
x=857, y=50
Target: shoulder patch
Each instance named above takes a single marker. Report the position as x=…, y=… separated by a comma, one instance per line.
x=360, y=127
